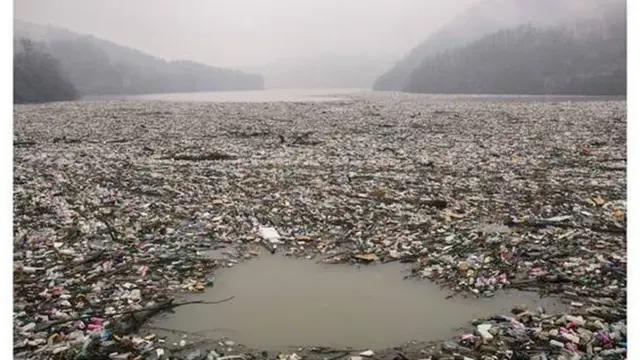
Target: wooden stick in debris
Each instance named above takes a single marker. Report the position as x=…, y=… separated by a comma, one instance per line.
x=110, y=229
x=268, y=246
x=155, y=309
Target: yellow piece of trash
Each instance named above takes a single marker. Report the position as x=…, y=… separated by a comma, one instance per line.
x=463, y=266
x=452, y=216
x=619, y=214
x=55, y=337
x=378, y=192
x=598, y=200
x=366, y=257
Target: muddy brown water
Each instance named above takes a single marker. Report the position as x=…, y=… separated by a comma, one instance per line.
x=281, y=302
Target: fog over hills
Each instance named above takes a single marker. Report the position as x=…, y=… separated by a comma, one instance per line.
x=163, y=46
x=487, y=17
x=97, y=66
x=37, y=75
x=324, y=71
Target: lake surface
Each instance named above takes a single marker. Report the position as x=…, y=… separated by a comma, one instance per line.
x=320, y=95
x=281, y=302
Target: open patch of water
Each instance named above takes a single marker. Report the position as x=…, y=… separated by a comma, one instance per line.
x=289, y=302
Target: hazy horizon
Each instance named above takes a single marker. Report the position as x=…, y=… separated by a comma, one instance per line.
x=247, y=33
x=286, y=44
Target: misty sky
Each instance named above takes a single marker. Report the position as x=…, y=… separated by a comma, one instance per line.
x=238, y=33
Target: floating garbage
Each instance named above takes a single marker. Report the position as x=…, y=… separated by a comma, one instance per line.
x=115, y=207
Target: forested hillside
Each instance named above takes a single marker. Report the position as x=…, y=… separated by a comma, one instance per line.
x=37, y=76
x=487, y=17
x=585, y=58
x=100, y=67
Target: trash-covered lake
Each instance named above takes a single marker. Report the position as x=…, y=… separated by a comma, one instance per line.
x=119, y=204
x=279, y=302
x=269, y=95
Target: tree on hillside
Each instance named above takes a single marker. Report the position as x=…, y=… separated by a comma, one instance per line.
x=37, y=76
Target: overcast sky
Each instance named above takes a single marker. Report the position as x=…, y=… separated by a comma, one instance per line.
x=249, y=32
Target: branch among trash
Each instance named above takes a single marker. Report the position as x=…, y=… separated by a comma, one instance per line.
x=133, y=322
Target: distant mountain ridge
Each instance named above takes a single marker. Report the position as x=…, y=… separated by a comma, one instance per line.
x=486, y=17
x=100, y=67
x=528, y=61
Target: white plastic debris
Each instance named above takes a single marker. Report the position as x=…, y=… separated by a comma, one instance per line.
x=367, y=353
x=135, y=295
x=270, y=234
x=483, y=330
